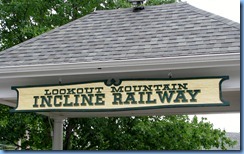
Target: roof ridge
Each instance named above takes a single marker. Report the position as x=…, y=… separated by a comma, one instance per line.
x=149, y=6
x=214, y=16
x=45, y=33
x=118, y=9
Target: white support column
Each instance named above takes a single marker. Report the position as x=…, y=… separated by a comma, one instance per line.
x=57, y=133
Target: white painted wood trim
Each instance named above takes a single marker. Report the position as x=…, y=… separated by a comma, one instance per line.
x=170, y=63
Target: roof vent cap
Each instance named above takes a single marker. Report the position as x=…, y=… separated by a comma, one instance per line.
x=138, y=5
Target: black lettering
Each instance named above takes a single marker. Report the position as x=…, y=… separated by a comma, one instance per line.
x=99, y=99
x=47, y=92
x=62, y=91
x=183, y=86
x=127, y=88
x=157, y=87
x=89, y=90
x=165, y=96
x=120, y=89
x=117, y=99
x=149, y=101
x=36, y=100
x=173, y=87
x=130, y=98
x=137, y=88
x=66, y=101
x=166, y=87
x=76, y=100
x=147, y=88
x=99, y=89
x=55, y=91
x=180, y=96
x=193, y=94
x=46, y=100
x=86, y=99
x=79, y=90
x=71, y=91
x=55, y=101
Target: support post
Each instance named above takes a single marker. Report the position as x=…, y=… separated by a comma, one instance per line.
x=57, y=134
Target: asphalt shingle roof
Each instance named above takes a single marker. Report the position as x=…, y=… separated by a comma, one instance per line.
x=169, y=30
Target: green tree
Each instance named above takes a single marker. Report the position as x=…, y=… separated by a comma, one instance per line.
x=24, y=19
x=33, y=130
x=21, y=20
x=176, y=132
x=114, y=133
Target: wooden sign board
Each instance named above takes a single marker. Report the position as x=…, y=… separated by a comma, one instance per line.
x=135, y=94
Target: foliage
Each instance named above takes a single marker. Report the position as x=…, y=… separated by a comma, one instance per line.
x=159, y=2
x=114, y=133
x=22, y=20
x=33, y=130
x=144, y=133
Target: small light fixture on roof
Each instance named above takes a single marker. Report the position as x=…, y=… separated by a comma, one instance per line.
x=138, y=5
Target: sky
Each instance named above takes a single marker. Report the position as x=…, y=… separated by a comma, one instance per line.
x=229, y=9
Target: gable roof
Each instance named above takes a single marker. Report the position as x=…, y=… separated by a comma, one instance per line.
x=170, y=30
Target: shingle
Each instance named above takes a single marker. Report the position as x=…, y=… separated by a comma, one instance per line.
x=169, y=30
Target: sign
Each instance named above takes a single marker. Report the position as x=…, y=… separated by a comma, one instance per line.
x=122, y=95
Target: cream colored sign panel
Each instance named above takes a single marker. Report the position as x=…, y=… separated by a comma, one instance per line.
x=124, y=95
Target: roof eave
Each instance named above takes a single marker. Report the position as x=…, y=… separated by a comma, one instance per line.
x=168, y=63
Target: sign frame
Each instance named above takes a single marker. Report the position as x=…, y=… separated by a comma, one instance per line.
x=117, y=83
